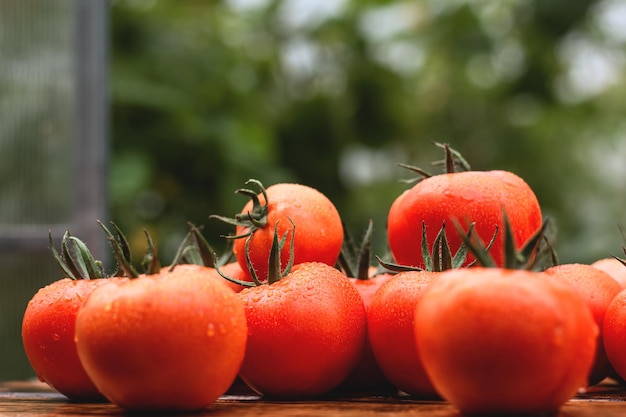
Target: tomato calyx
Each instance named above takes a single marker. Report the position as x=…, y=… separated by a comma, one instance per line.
x=439, y=257
x=196, y=250
x=274, y=271
x=355, y=259
x=252, y=220
x=453, y=162
x=150, y=263
x=76, y=259
x=534, y=254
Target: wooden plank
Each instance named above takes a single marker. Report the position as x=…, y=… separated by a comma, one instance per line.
x=29, y=399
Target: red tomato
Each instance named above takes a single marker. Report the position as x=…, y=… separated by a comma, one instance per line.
x=367, y=375
x=469, y=196
x=391, y=331
x=169, y=341
x=306, y=332
x=319, y=228
x=614, y=334
x=48, y=337
x=50, y=319
x=614, y=268
x=598, y=289
x=505, y=342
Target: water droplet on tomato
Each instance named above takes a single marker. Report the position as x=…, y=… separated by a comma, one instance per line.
x=557, y=336
x=56, y=337
x=210, y=331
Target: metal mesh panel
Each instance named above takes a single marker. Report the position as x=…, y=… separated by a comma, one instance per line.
x=52, y=148
x=36, y=102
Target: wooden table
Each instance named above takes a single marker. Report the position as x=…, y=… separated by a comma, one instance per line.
x=28, y=399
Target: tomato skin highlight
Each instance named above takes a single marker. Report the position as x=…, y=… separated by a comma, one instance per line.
x=166, y=342
x=505, y=341
x=48, y=327
x=391, y=330
x=319, y=230
x=469, y=196
x=306, y=332
x=598, y=289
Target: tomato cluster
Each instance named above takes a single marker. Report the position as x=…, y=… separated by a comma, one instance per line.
x=468, y=310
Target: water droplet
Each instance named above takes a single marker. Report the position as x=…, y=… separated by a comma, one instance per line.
x=210, y=331
x=56, y=337
x=108, y=307
x=558, y=336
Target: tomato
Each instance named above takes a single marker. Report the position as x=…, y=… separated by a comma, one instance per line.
x=355, y=262
x=170, y=341
x=506, y=342
x=614, y=268
x=50, y=319
x=306, y=332
x=48, y=337
x=231, y=269
x=367, y=375
x=320, y=230
x=464, y=196
x=614, y=334
x=598, y=289
x=391, y=331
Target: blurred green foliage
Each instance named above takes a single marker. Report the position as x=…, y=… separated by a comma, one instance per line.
x=206, y=95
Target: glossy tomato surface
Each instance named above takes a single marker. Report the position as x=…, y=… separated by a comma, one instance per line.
x=306, y=332
x=391, y=330
x=48, y=329
x=318, y=228
x=598, y=289
x=614, y=334
x=166, y=342
x=465, y=197
x=505, y=342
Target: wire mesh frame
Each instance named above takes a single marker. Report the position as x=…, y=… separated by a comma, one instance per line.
x=89, y=156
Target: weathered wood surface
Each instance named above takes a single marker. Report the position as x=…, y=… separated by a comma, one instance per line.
x=27, y=399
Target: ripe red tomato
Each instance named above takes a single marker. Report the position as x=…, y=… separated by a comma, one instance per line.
x=598, y=289
x=306, y=332
x=168, y=341
x=614, y=334
x=614, y=268
x=367, y=375
x=48, y=337
x=505, y=342
x=468, y=196
x=390, y=321
x=320, y=230
x=49, y=321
